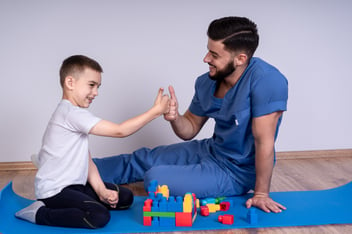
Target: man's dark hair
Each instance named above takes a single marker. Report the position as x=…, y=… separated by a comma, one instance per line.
x=76, y=64
x=237, y=33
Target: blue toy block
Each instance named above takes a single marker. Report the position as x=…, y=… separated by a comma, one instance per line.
x=252, y=216
x=167, y=222
x=155, y=221
x=151, y=195
x=163, y=204
x=206, y=201
x=159, y=196
x=155, y=206
x=179, y=204
x=153, y=185
x=171, y=205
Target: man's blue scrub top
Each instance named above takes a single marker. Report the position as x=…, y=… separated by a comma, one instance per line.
x=261, y=90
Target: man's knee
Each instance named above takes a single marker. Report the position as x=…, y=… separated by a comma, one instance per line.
x=152, y=174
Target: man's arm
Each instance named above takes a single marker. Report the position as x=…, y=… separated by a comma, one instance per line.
x=107, y=196
x=185, y=126
x=264, y=129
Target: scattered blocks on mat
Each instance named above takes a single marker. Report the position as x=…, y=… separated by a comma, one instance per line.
x=214, y=204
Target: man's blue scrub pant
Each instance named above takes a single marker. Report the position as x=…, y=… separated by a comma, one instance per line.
x=183, y=167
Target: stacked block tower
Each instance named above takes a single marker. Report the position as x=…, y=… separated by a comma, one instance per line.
x=160, y=209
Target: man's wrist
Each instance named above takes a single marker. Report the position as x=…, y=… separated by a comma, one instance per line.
x=260, y=194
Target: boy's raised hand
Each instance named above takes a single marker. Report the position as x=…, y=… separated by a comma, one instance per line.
x=172, y=114
x=162, y=102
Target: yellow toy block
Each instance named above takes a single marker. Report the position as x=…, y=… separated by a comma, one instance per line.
x=187, y=203
x=213, y=207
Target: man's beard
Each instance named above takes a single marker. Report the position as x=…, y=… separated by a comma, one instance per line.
x=222, y=74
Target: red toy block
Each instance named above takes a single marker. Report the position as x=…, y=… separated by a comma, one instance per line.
x=204, y=211
x=148, y=205
x=226, y=219
x=147, y=221
x=183, y=219
x=224, y=206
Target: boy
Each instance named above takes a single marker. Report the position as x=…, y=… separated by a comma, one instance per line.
x=68, y=186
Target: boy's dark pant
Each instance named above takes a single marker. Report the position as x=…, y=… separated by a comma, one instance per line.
x=79, y=206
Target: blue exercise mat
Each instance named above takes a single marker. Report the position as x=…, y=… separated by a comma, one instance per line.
x=321, y=207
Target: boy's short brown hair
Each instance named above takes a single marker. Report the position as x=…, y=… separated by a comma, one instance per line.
x=76, y=64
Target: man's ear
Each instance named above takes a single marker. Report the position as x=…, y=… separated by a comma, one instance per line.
x=70, y=82
x=241, y=59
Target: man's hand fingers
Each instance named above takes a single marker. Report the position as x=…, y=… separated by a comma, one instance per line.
x=172, y=93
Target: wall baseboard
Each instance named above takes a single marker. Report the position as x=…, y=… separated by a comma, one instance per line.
x=314, y=154
x=19, y=166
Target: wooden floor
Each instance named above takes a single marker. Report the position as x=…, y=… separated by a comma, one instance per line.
x=289, y=175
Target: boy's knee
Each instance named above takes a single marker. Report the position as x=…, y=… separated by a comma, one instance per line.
x=125, y=198
x=98, y=216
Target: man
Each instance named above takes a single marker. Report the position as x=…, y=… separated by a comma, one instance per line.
x=246, y=97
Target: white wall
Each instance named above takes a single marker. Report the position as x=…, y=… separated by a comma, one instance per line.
x=143, y=45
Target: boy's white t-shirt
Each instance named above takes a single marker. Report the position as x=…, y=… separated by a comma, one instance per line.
x=64, y=156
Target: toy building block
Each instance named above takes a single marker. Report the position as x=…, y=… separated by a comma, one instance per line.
x=163, y=204
x=218, y=200
x=151, y=195
x=153, y=185
x=206, y=201
x=204, y=211
x=179, y=204
x=155, y=221
x=224, y=206
x=252, y=216
x=158, y=196
x=167, y=222
x=213, y=207
x=164, y=190
x=188, y=203
x=226, y=219
x=183, y=219
x=155, y=206
x=147, y=221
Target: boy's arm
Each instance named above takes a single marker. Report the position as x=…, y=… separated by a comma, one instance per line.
x=264, y=129
x=107, y=196
x=130, y=126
